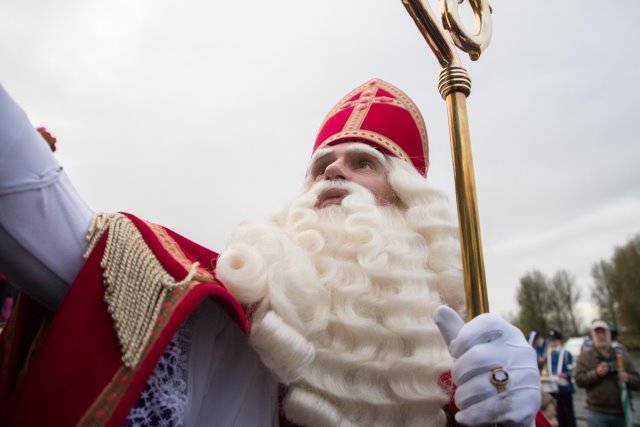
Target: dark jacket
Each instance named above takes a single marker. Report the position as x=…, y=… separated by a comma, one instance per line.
x=603, y=393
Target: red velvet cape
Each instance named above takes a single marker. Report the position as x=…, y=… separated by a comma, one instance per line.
x=76, y=375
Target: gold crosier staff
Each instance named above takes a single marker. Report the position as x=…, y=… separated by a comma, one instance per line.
x=455, y=85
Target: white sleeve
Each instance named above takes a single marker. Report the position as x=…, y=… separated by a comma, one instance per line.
x=43, y=220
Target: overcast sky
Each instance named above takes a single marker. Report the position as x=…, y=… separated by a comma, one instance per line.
x=197, y=114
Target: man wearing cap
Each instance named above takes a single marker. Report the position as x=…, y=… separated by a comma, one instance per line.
x=597, y=371
x=340, y=293
x=559, y=366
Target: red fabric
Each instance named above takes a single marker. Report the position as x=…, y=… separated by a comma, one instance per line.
x=382, y=92
x=334, y=125
x=53, y=385
x=194, y=252
x=541, y=420
x=207, y=258
x=395, y=123
x=367, y=112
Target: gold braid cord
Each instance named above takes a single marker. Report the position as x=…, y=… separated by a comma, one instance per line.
x=136, y=284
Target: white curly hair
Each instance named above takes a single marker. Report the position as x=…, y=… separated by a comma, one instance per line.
x=342, y=301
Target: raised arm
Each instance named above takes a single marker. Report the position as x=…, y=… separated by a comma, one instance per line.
x=43, y=220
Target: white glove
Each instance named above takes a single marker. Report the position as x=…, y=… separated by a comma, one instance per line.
x=485, y=343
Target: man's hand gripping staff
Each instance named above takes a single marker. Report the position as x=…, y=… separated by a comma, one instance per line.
x=495, y=370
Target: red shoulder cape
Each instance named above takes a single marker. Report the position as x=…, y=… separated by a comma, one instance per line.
x=76, y=376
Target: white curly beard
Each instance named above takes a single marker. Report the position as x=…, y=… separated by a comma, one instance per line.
x=343, y=301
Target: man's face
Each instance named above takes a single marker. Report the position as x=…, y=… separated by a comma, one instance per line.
x=554, y=342
x=601, y=337
x=354, y=162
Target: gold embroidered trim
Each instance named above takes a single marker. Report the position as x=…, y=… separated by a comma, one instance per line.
x=170, y=245
x=340, y=105
x=136, y=284
x=99, y=413
x=373, y=137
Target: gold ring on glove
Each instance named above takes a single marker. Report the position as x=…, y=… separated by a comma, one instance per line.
x=499, y=378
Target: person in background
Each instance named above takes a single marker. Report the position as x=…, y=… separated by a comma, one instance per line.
x=597, y=372
x=588, y=343
x=559, y=364
x=548, y=408
x=539, y=344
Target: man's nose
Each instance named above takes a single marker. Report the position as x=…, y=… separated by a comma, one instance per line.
x=335, y=170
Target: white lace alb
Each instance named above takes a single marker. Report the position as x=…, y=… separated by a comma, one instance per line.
x=164, y=398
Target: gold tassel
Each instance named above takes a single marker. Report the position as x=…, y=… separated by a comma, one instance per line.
x=136, y=284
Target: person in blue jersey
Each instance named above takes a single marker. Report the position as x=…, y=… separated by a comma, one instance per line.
x=560, y=365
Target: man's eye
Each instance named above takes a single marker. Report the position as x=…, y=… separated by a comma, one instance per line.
x=319, y=171
x=364, y=164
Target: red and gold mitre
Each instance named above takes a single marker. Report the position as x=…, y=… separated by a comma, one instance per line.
x=379, y=114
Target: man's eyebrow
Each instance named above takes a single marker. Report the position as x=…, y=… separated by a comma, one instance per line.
x=367, y=149
x=319, y=154
x=354, y=149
